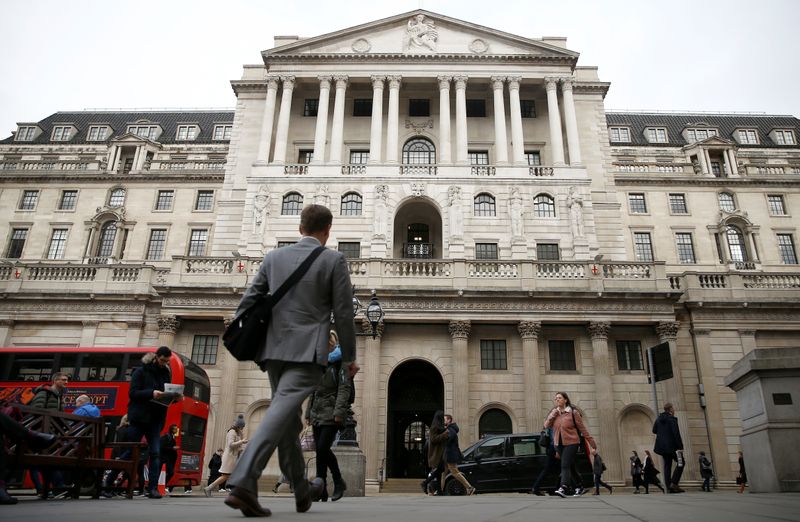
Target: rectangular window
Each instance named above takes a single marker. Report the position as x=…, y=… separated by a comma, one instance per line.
x=620, y=134
x=656, y=135
x=478, y=157
x=205, y=200
x=29, y=200
x=97, y=133
x=305, y=156
x=310, y=106
x=359, y=157
x=144, y=131
x=677, y=204
x=562, y=356
x=547, y=252
x=683, y=243
x=282, y=244
x=61, y=133
x=187, y=132
x=784, y=137
x=350, y=249
x=222, y=132
x=485, y=250
x=643, y=247
x=786, y=248
x=198, y=241
x=629, y=355
x=419, y=107
x=58, y=242
x=493, y=354
x=362, y=107
x=476, y=108
x=157, y=244
x=164, y=199
x=69, y=198
x=527, y=108
x=204, y=349
x=716, y=169
x=748, y=137
x=700, y=134
x=533, y=157
x=25, y=134
x=17, y=243
x=636, y=203
x=776, y=206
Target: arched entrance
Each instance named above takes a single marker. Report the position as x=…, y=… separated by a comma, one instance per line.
x=635, y=428
x=494, y=421
x=418, y=231
x=416, y=391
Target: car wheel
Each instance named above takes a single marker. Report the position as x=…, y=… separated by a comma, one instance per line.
x=454, y=488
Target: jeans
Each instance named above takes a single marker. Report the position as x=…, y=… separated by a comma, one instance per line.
x=151, y=433
x=707, y=483
x=326, y=459
x=568, y=453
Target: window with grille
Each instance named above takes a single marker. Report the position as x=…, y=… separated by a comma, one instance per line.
x=786, y=248
x=222, y=132
x=776, y=206
x=204, y=349
x=677, y=204
x=359, y=157
x=562, y=355
x=656, y=135
x=493, y=354
x=29, y=200
x=643, y=246
x=485, y=250
x=292, y=204
x=784, y=137
x=736, y=246
x=157, y=244
x=61, y=133
x=164, y=199
x=17, y=243
x=58, y=242
x=619, y=134
x=533, y=157
x=351, y=204
x=476, y=108
x=527, y=108
x=97, y=133
x=726, y=202
x=683, y=242
x=547, y=252
x=68, y=200
x=310, y=106
x=419, y=151
x=484, y=205
x=544, y=206
x=419, y=107
x=25, y=134
x=478, y=157
x=629, y=355
x=637, y=204
x=305, y=156
x=187, y=132
x=116, y=198
x=205, y=200
x=108, y=235
x=350, y=249
x=362, y=107
x=748, y=137
x=716, y=169
x=197, y=242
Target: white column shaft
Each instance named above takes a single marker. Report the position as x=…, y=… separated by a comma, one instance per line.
x=376, y=128
x=267, y=120
x=445, y=156
x=282, y=135
x=573, y=143
x=462, y=144
x=337, y=132
x=321, y=130
x=554, y=118
x=517, y=139
x=393, y=119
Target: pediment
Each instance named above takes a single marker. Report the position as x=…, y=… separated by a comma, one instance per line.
x=419, y=32
x=130, y=138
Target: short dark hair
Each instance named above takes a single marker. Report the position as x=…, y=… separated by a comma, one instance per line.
x=163, y=351
x=59, y=374
x=668, y=406
x=315, y=218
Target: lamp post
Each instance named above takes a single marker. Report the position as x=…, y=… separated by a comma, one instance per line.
x=373, y=313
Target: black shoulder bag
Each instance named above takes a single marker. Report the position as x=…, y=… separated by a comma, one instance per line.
x=248, y=333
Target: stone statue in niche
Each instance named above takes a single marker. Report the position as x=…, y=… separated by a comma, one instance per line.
x=575, y=204
x=421, y=32
x=381, y=211
x=515, y=207
x=260, y=209
x=322, y=197
x=456, y=216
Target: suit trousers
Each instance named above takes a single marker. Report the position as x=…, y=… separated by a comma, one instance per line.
x=280, y=428
x=669, y=479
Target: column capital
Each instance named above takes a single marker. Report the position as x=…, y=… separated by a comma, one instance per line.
x=667, y=330
x=497, y=82
x=459, y=329
x=341, y=80
x=599, y=330
x=168, y=324
x=324, y=82
x=444, y=82
x=567, y=83
x=377, y=81
x=288, y=82
x=529, y=329
x=366, y=327
x=551, y=83
x=394, y=81
x=513, y=82
x=272, y=82
x=461, y=81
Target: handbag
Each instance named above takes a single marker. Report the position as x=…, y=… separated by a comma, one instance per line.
x=247, y=333
x=544, y=439
x=307, y=442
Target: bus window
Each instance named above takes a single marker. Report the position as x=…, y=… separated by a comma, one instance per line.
x=101, y=367
x=195, y=383
x=193, y=430
x=6, y=363
x=134, y=361
x=32, y=367
x=68, y=363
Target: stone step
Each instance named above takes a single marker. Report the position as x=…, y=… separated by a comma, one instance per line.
x=399, y=485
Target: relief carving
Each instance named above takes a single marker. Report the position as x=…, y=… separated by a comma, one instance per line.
x=420, y=34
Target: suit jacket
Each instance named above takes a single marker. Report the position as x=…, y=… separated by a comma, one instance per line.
x=298, y=330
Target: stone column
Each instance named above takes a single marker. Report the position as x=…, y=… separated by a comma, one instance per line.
x=517, y=139
x=529, y=332
x=321, y=130
x=393, y=119
x=607, y=438
x=445, y=156
x=376, y=127
x=141, y=157
x=459, y=333
x=337, y=131
x=168, y=326
x=370, y=407
x=573, y=143
x=554, y=118
x=282, y=135
x=6, y=327
x=714, y=420
x=500, y=137
x=267, y=120
x=730, y=159
x=462, y=142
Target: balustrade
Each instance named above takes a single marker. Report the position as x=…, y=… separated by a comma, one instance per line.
x=295, y=169
x=418, y=170
x=483, y=170
x=409, y=268
x=627, y=271
x=492, y=269
x=354, y=169
x=772, y=281
x=61, y=273
x=540, y=171
x=560, y=270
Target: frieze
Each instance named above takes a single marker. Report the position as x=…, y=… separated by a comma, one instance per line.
x=720, y=317
x=203, y=302
x=520, y=306
x=72, y=307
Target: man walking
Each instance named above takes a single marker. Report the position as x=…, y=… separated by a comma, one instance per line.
x=668, y=442
x=294, y=356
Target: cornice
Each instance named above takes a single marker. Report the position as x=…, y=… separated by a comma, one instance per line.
x=102, y=176
x=241, y=86
x=591, y=88
x=408, y=58
x=656, y=178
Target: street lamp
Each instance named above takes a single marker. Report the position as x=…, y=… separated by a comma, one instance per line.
x=373, y=313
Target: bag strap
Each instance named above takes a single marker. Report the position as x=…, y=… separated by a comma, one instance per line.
x=298, y=274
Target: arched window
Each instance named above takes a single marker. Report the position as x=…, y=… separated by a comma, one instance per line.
x=292, y=204
x=484, y=205
x=544, y=206
x=736, y=246
x=105, y=244
x=726, y=202
x=116, y=198
x=419, y=151
x=351, y=204
x=494, y=422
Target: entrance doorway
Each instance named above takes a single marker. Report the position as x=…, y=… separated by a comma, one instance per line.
x=416, y=391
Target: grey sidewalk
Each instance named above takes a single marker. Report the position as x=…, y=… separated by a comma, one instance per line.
x=711, y=507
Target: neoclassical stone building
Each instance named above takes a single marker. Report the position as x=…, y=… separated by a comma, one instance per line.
x=521, y=239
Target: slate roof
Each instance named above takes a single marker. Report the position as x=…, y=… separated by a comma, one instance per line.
x=119, y=121
x=726, y=125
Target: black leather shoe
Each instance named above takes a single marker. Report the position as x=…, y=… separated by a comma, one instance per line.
x=154, y=494
x=314, y=492
x=6, y=499
x=246, y=502
x=338, y=490
x=39, y=440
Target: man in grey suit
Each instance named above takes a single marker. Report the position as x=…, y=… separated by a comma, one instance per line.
x=294, y=356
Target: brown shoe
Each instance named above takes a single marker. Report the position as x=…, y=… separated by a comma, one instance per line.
x=247, y=503
x=315, y=488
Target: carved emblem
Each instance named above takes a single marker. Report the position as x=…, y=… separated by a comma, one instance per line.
x=418, y=190
x=419, y=126
x=361, y=45
x=478, y=46
x=420, y=34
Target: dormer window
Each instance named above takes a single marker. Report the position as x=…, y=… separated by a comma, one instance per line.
x=747, y=136
x=619, y=134
x=187, y=132
x=26, y=133
x=783, y=137
x=695, y=135
x=97, y=133
x=656, y=134
x=62, y=133
x=149, y=132
x=222, y=132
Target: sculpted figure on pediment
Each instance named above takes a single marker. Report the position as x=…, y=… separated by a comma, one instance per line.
x=421, y=32
x=381, y=211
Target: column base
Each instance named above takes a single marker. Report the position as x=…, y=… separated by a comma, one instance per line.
x=260, y=163
x=559, y=164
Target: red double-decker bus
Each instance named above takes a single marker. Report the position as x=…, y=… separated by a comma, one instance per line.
x=104, y=374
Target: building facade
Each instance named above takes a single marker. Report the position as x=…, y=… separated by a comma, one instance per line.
x=521, y=240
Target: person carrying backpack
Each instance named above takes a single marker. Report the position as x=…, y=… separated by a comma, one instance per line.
x=706, y=472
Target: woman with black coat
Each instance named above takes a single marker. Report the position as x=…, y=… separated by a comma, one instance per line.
x=651, y=474
x=437, y=441
x=636, y=471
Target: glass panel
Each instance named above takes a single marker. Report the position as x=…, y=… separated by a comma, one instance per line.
x=101, y=367
x=32, y=367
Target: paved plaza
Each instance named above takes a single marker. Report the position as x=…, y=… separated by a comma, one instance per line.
x=718, y=506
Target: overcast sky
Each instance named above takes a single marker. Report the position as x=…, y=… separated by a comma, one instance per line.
x=706, y=55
